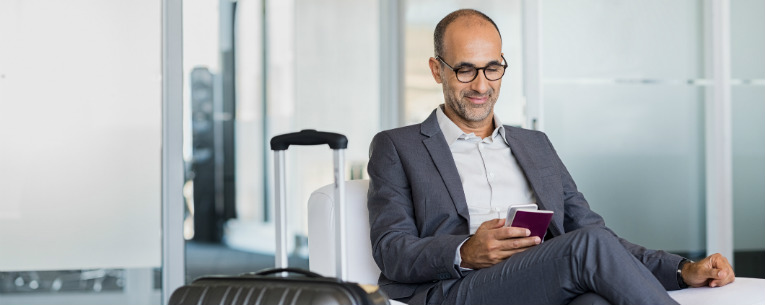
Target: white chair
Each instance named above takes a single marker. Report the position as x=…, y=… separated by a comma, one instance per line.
x=363, y=270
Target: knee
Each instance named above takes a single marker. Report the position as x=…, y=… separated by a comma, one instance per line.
x=589, y=298
x=595, y=233
x=589, y=237
x=588, y=246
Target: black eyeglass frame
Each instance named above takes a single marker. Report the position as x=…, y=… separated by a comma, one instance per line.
x=504, y=69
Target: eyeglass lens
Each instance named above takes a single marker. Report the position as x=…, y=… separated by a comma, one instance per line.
x=491, y=72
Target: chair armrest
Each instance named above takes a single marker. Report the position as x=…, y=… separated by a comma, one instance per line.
x=743, y=291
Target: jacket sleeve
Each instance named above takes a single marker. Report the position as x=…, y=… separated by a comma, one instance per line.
x=578, y=214
x=398, y=249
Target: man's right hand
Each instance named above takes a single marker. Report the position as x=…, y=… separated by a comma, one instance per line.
x=492, y=243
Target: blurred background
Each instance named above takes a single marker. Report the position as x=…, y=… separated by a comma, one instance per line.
x=657, y=108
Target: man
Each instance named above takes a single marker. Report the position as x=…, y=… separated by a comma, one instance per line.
x=438, y=191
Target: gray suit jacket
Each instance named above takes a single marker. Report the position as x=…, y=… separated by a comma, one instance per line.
x=418, y=213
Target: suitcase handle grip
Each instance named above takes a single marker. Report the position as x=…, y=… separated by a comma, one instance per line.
x=309, y=137
x=290, y=270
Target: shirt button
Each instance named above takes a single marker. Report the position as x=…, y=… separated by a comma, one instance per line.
x=491, y=174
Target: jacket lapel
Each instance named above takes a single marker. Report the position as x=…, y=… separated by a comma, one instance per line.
x=442, y=157
x=532, y=172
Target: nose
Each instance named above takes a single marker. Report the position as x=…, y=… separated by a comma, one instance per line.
x=480, y=84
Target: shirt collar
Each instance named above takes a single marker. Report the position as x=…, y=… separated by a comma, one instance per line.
x=452, y=132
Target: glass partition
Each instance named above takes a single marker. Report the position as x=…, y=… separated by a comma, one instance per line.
x=636, y=153
x=80, y=117
x=624, y=107
x=749, y=180
x=257, y=69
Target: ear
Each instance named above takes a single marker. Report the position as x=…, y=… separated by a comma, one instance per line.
x=435, y=69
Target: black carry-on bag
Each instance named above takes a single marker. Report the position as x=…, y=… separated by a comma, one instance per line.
x=283, y=285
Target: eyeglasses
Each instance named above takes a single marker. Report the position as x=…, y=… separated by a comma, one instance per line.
x=466, y=74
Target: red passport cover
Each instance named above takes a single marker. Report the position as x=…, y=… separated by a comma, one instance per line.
x=536, y=221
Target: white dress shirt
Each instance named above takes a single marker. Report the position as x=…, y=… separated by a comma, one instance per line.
x=490, y=175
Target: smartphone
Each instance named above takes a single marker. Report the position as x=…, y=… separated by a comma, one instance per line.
x=513, y=208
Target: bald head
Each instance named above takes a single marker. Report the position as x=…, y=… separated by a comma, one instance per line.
x=468, y=17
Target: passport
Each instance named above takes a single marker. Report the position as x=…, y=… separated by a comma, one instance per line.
x=534, y=220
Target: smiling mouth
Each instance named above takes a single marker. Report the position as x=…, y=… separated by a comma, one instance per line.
x=478, y=99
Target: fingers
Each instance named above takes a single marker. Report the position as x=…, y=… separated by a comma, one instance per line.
x=508, y=238
x=491, y=224
x=713, y=271
x=722, y=282
x=725, y=274
x=511, y=238
x=511, y=232
x=713, y=277
x=499, y=231
x=500, y=250
x=511, y=246
x=509, y=253
x=493, y=243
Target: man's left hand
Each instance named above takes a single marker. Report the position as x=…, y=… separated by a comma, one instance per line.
x=713, y=271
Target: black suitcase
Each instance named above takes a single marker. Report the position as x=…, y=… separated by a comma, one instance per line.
x=266, y=287
x=280, y=285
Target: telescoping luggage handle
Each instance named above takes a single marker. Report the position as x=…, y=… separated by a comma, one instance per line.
x=309, y=137
x=338, y=143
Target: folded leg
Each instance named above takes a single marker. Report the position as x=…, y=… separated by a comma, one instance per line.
x=556, y=272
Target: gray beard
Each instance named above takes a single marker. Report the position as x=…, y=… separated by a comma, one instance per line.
x=471, y=116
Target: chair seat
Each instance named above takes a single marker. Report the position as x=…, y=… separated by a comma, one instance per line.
x=744, y=291
x=363, y=269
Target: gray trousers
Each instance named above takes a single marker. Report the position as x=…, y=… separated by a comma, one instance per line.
x=581, y=262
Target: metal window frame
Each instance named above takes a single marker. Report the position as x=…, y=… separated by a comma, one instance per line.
x=173, y=244
x=392, y=64
x=718, y=131
x=532, y=63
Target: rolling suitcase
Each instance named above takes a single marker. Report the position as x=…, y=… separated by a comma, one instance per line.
x=280, y=285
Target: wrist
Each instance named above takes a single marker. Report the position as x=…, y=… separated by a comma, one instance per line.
x=458, y=256
x=682, y=269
